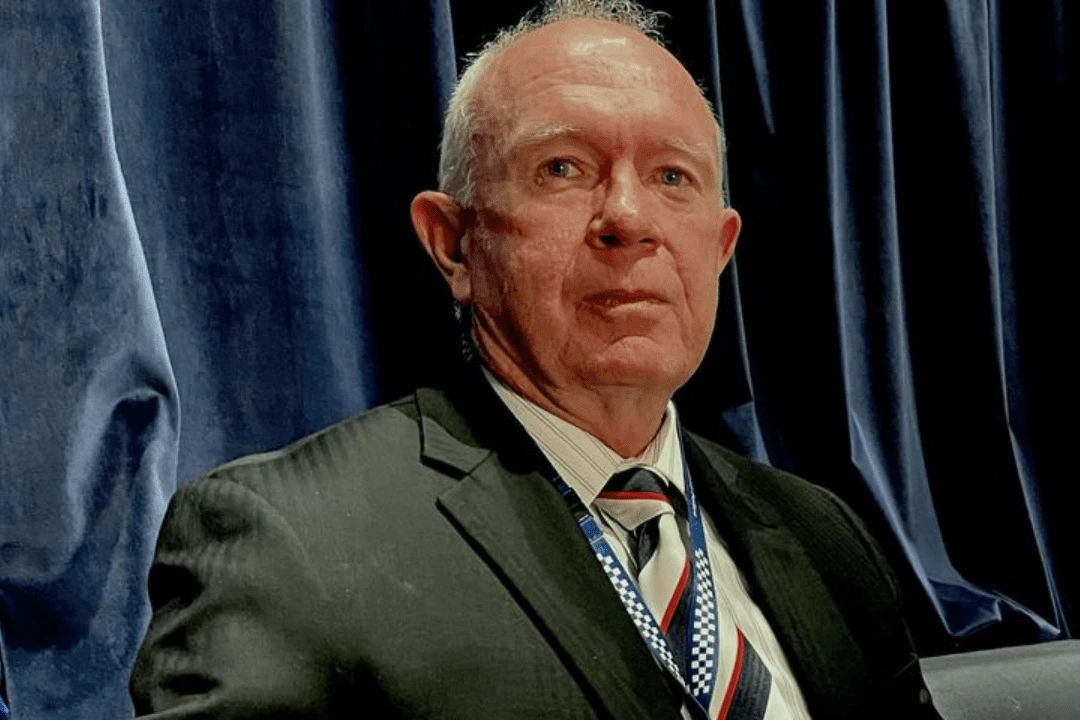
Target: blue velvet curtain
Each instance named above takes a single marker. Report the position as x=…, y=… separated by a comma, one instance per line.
x=205, y=252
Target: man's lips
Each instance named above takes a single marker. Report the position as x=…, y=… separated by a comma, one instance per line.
x=616, y=297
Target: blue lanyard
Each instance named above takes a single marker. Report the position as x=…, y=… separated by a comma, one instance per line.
x=703, y=662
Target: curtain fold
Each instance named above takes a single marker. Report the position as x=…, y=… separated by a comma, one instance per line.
x=878, y=377
x=877, y=157
x=89, y=417
x=231, y=128
x=976, y=36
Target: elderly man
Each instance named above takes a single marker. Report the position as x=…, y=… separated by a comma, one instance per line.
x=542, y=540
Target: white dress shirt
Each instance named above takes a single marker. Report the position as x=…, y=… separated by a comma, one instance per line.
x=586, y=464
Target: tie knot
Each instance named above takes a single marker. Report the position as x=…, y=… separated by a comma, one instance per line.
x=634, y=496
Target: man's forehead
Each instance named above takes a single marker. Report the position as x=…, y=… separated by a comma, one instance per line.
x=583, y=63
x=585, y=51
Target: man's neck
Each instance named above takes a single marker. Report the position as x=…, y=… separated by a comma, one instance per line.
x=626, y=419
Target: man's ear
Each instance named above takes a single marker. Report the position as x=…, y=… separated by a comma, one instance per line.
x=439, y=224
x=730, y=225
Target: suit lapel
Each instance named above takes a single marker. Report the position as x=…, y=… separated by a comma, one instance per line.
x=782, y=581
x=511, y=515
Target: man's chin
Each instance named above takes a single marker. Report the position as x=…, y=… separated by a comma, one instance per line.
x=645, y=365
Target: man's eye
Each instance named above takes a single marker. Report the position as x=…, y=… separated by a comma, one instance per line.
x=673, y=177
x=560, y=168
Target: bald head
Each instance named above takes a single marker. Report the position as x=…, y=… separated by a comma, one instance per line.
x=618, y=41
x=588, y=65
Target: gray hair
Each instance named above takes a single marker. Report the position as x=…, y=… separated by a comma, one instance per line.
x=457, y=153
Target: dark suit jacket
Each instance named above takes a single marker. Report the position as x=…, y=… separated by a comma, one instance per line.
x=415, y=562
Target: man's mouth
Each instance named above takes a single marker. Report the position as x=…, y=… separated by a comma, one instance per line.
x=617, y=297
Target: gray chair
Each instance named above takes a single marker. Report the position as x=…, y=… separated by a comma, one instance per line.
x=1034, y=682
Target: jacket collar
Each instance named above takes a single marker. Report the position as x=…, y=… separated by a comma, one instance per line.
x=507, y=509
x=783, y=581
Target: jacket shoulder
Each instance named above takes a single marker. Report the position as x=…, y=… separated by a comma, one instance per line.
x=784, y=491
x=829, y=530
x=383, y=433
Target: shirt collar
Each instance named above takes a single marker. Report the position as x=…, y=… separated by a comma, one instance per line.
x=583, y=461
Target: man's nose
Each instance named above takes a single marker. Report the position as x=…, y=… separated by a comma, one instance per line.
x=623, y=221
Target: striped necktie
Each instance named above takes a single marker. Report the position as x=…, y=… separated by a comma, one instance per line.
x=635, y=498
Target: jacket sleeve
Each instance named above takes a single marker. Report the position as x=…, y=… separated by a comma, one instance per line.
x=904, y=694
x=236, y=614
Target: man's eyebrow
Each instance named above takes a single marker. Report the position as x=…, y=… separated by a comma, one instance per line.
x=699, y=151
x=542, y=133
